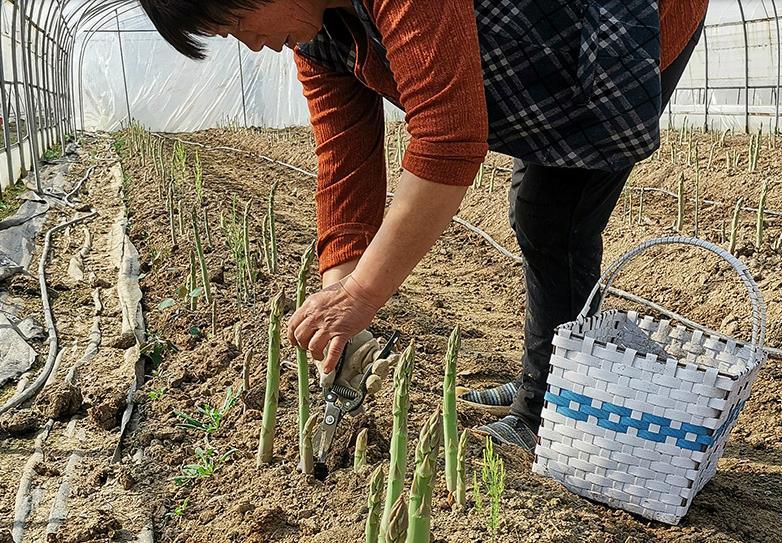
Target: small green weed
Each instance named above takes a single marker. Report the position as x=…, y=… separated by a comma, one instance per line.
x=9, y=202
x=493, y=476
x=156, y=393
x=208, y=463
x=210, y=418
x=156, y=348
x=120, y=146
x=52, y=153
x=179, y=510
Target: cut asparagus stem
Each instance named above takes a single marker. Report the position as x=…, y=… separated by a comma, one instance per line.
x=307, y=461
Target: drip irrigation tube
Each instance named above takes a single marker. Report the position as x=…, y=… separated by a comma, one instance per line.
x=33, y=389
x=777, y=353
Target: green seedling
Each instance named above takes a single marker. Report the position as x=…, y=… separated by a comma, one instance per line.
x=201, y=260
x=680, y=204
x=208, y=462
x=211, y=417
x=156, y=393
x=179, y=510
x=493, y=476
x=156, y=348
x=476, y=492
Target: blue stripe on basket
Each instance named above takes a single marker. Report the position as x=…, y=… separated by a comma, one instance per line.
x=623, y=421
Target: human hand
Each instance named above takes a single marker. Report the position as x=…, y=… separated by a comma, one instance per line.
x=360, y=353
x=331, y=317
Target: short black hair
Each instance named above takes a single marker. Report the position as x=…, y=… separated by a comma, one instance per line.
x=182, y=22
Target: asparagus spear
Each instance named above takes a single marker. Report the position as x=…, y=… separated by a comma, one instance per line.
x=360, y=454
x=461, y=471
x=419, y=511
x=397, y=523
x=272, y=380
x=201, y=259
x=374, y=503
x=449, y=409
x=397, y=467
x=302, y=364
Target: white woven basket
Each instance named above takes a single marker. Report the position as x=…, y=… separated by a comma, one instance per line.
x=637, y=411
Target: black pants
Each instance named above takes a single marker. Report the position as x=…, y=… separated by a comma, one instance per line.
x=559, y=215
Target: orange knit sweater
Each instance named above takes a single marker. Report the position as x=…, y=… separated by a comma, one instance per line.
x=436, y=77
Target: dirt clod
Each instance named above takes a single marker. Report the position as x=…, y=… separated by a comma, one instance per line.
x=106, y=412
x=20, y=423
x=100, y=525
x=59, y=401
x=123, y=341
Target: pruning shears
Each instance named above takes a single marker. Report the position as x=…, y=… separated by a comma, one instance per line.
x=344, y=400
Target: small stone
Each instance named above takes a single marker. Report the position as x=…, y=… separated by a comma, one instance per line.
x=243, y=507
x=125, y=479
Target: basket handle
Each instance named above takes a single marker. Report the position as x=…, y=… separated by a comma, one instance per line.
x=755, y=297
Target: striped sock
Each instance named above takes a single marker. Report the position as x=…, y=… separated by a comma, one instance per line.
x=512, y=430
x=498, y=396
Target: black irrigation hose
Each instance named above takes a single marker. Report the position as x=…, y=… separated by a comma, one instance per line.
x=612, y=290
x=35, y=387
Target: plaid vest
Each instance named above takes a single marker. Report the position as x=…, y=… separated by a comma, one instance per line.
x=568, y=83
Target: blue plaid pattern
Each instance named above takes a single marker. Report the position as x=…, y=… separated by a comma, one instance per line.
x=568, y=84
x=620, y=419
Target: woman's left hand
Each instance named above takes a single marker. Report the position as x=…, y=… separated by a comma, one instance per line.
x=330, y=318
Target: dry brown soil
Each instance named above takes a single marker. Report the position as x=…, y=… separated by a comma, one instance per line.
x=462, y=281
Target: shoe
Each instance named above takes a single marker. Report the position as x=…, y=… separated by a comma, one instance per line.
x=511, y=430
x=496, y=401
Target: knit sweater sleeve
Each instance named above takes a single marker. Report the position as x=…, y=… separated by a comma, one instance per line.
x=434, y=55
x=347, y=121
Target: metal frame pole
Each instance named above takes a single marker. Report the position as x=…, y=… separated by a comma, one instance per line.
x=122, y=60
x=6, y=131
x=779, y=66
x=32, y=124
x=241, y=81
x=705, y=81
x=746, y=67
x=18, y=112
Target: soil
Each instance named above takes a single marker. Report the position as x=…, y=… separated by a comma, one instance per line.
x=193, y=358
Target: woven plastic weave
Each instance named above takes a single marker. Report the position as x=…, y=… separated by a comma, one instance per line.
x=638, y=411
